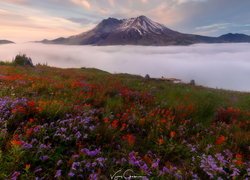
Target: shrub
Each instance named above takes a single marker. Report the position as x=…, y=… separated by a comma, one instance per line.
x=22, y=60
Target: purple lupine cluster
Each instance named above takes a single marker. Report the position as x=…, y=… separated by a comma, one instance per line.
x=91, y=153
x=220, y=165
x=7, y=105
x=137, y=161
x=193, y=148
x=70, y=130
x=210, y=166
x=86, y=165
x=149, y=169
x=172, y=172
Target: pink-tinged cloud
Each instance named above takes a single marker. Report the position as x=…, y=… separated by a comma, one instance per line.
x=15, y=1
x=144, y=1
x=84, y=3
x=111, y=2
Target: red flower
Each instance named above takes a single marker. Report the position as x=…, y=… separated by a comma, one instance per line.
x=31, y=104
x=239, y=159
x=19, y=109
x=130, y=138
x=106, y=120
x=123, y=126
x=172, y=134
x=29, y=132
x=16, y=143
x=31, y=120
x=115, y=124
x=163, y=121
x=160, y=141
x=220, y=140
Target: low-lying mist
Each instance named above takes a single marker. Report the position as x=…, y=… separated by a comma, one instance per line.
x=214, y=65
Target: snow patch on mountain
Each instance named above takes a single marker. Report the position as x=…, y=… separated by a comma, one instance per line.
x=141, y=24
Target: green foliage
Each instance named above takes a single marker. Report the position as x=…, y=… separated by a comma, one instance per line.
x=23, y=60
x=5, y=63
x=20, y=60
x=114, y=104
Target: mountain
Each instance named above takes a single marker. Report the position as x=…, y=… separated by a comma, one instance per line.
x=5, y=42
x=235, y=38
x=139, y=31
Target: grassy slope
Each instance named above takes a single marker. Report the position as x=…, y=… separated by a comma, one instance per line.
x=161, y=117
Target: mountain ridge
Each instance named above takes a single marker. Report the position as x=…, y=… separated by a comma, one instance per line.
x=140, y=31
x=6, y=42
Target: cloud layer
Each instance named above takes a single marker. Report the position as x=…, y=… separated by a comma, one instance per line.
x=215, y=65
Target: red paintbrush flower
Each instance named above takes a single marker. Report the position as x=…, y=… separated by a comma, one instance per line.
x=130, y=138
x=115, y=124
x=220, y=140
x=239, y=159
x=172, y=134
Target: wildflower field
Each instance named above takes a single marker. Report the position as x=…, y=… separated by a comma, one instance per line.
x=89, y=124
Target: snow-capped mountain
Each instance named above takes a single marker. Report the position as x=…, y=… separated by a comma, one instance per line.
x=134, y=31
x=142, y=25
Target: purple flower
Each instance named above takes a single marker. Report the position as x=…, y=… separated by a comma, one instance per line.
x=195, y=177
x=44, y=158
x=78, y=135
x=38, y=170
x=93, y=176
x=15, y=175
x=36, y=129
x=192, y=148
x=165, y=170
x=43, y=146
x=88, y=165
x=63, y=130
x=133, y=160
x=155, y=165
x=91, y=153
x=221, y=159
x=75, y=166
x=87, y=120
x=236, y=172
x=58, y=173
x=71, y=174
x=145, y=169
x=75, y=156
x=91, y=128
x=229, y=154
x=27, y=146
x=210, y=167
x=209, y=146
x=33, y=141
x=101, y=161
x=59, y=162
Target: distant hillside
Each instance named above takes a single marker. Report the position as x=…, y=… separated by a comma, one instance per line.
x=140, y=31
x=235, y=38
x=5, y=42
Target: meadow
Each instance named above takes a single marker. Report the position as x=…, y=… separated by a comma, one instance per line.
x=88, y=124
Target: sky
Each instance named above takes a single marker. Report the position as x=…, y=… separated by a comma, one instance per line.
x=30, y=20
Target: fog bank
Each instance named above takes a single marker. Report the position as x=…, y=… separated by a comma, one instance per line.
x=214, y=65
